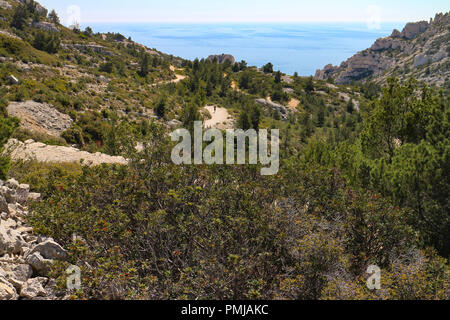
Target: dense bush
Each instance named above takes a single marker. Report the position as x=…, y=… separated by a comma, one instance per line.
x=46, y=41
x=7, y=127
x=155, y=230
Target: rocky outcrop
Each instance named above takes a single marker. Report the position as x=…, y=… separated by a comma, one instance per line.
x=89, y=47
x=222, y=58
x=31, y=150
x=46, y=26
x=40, y=117
x=401, y=55
x=24, y=257
x=278, y=107
x=39, y=8
x=412, y=29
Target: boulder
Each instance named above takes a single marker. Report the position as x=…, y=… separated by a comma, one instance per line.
x=22, y=193
x=7, y=290
x=34, y=288
x=280, y=108
x=421, y=60
x=9, y=194
x=46, y=26
x=21, y=272
x=51, y=250
x=11, y=241
x=38, y=263
x=222, y=58
x=33, y=197
x=12, y=184
x=3, y=204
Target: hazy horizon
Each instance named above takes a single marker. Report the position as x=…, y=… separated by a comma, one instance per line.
x=263, y=11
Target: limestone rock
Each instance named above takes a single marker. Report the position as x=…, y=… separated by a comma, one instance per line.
x=7, y=290
x=396, y=34
x=3, y=204
x=418, y=44
x=412, y=29
x=49, y=249
x=46, y=26
x=38, y=263
x=34, y=288
x=22, y=193
x=222, y=58
x=33, y=197
x=326, y=72
x=280, y=108
x=41, y=152
x=40, y=117
x=10, y=241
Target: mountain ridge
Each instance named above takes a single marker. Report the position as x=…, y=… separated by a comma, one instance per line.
x=420, y=50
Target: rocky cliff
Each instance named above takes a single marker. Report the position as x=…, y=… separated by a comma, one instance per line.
x=420, y=50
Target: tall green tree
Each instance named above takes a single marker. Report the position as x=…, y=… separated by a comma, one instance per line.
x=268, y=68
x=144, y=65
x=53, y=16
x=20, y=17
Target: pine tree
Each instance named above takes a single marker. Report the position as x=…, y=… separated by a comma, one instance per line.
x=53, y=16
x=20, y=17
x=144, y=67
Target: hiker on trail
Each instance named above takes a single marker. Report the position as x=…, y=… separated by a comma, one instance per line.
x=215, y=109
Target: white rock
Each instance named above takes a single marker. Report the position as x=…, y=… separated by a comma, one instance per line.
x=3, y=203
x=7, y=290
x=22, y=193
x=38, y=263
x=34, y=288
x=11, y=241
x=49, y=249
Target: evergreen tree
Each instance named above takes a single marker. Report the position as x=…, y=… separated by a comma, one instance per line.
x=53, y=16
x=20, y=17
x=278, y=77
x=160, y=107
x=46, y=41
x=309, y=86
x=190, y=115
x=350, y=106
x=144, y=65
x=268, y=68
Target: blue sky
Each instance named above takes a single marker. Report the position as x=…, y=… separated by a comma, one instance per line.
x=246, y=10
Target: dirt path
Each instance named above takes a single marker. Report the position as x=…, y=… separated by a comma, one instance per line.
x=220, y=119
x=179, y=77
x=293, y=104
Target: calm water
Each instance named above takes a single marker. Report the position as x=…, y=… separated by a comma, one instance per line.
x=290, y=47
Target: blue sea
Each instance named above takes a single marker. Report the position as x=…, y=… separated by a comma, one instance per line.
x=291, y=47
